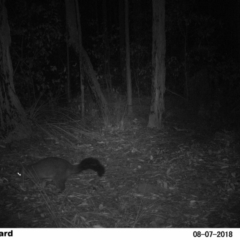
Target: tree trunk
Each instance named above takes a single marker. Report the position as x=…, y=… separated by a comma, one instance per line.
x=128, y=65
x=80, y=60
x=107, y=74
x=121, y=16
x=68, y=83
x=75, y=34
x=94, y=84
x=158, y=61
x=13, y=118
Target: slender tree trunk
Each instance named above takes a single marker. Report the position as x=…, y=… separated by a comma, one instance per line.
x=186, y=88
x=80, y=60
x=87, y=68
x=158, y=61
x=107, y=74
x=13, y=118
x=128, y=66
x=94, y=84
x=122, y=39
x=68, y=83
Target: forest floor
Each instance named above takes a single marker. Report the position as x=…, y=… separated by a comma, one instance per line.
x=184, y=175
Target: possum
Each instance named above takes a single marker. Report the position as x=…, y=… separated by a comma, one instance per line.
x=58, y=170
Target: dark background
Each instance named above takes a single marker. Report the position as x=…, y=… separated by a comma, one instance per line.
x=202, y=56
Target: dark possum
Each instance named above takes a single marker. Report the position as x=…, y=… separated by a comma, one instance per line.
x=58, y=169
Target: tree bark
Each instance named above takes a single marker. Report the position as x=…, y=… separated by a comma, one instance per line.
x=13, y=118
x=73, y=29
x=107, y=74
x=158, y=61
x=128, y=65
x=121, y=16
x=94, y=84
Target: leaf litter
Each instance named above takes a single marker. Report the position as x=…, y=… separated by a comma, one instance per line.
x=153, y=179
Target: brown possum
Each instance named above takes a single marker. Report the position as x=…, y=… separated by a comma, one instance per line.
x=58, y=170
